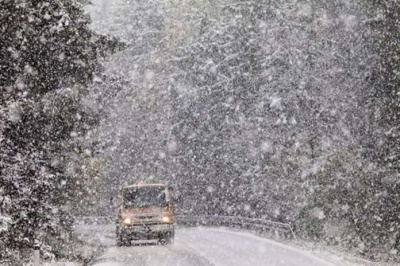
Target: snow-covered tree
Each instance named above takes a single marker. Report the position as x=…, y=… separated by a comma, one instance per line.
x=48, y=57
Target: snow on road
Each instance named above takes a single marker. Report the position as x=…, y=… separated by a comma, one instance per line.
x=210, y=247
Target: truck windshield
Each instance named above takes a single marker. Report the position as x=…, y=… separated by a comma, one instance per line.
x=143, y=197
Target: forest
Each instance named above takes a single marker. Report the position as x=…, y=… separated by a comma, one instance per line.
x=286, y=110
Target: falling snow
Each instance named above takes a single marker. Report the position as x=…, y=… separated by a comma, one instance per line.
x=282, y=111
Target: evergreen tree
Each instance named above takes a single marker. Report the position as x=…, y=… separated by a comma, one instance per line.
x=48, y=55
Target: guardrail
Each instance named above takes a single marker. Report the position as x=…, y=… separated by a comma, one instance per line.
x=262, y=225
x=236, y=222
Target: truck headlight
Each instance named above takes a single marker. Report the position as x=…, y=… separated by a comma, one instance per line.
x=127, y=221
x=167, y=218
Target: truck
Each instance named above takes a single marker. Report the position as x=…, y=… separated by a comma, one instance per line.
x=145, y=213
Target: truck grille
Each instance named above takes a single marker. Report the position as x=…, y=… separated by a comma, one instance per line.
x=147, y=219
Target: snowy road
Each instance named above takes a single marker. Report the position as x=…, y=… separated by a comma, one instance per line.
x=206, y=247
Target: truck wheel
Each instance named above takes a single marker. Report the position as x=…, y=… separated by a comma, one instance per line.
x=121, y=239
x=166, y=241
x=120, y=243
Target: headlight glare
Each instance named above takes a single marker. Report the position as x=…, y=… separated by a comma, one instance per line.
x=167, y=218
x=127, y=221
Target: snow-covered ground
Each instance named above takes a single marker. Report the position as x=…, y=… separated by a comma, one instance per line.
x=215, y=247
x=218, y=246
x=207, y=246
x=336, y=255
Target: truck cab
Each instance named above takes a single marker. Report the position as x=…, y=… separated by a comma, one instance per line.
x=145, y=213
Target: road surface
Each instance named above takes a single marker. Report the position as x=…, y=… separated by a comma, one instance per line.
x=210, y=247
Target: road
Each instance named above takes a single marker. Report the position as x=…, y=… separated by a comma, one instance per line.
x=210, y=247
